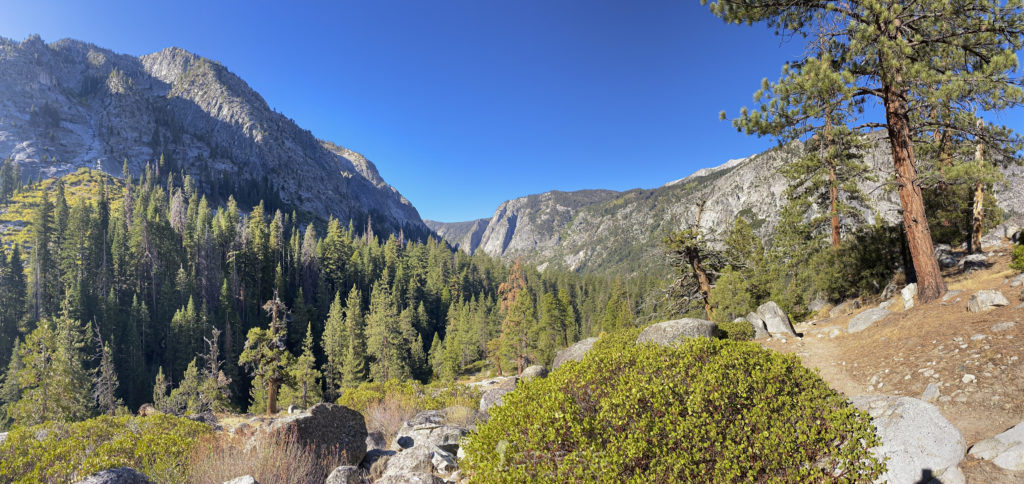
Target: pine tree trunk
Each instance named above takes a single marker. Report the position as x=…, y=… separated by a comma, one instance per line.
x=915, y=222
x=272, y=397
x=979, y=203
x=833, y=196
x=703, y=283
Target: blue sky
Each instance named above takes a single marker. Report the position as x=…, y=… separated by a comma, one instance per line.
x=464, y=104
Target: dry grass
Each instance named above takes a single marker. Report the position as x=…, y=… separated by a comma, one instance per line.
x=386, y=416
x=221, y=458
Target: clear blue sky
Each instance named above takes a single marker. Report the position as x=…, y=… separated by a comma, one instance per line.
x=464, y=104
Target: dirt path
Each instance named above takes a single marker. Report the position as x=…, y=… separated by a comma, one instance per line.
x=941, y=343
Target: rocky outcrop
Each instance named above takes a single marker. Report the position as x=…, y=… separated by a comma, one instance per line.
x=916, y=439
x=533, y=371
x=120, y=475
x=344, y=475
x=986, y=300
x=676, y=331
x=328, y=430
x=107, y=109
x=429, y=428
x=494, y=396
x=576, y=352
x=861, y=321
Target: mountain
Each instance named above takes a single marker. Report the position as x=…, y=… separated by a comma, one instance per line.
x=70, y=104
x=621, y=232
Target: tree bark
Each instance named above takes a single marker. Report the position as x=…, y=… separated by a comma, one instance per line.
x=915, y=222
x=272, y=397
x=978, y=214
x=833, y=196
x=702, y=282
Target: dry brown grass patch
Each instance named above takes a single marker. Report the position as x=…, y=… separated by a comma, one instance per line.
x=222, y=457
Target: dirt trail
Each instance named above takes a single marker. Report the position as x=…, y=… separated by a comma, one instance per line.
x=939, y=342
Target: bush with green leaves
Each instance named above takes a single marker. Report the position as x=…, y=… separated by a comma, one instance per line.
x=706, y=411
x=409, y=393
x=1017, y=263
x=158, y=446
x=740, y=330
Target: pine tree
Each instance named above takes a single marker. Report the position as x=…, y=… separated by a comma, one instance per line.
x=43, y=289
x=336, y=347
x=160, y=398
x=10, y=389
x=53, y=382
x=266, y=354
x=305, y=390
x=385, y=343
x=105, y=383
x=356, y=364
x=915, y=59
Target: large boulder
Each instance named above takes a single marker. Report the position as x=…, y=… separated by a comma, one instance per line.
x=344, y=475
x=493, y=396
x=816, y=305
x=410, y=466
x=327, y=429
x=973, y=262
x=120, y=475
x=429, y=428
x=985, y=300
x=861, y=321
x=533, y=371
x=944, y=256
x=760, y=331
x=1005, y=450
x=576, y=352
x=675, y=331
x=916, y=439
x=775, y=319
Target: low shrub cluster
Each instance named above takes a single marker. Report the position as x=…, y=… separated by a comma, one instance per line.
x=705, y=411
x=1017, y=262
x=158, y=446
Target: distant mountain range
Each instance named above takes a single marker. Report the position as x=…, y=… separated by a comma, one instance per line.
x=70, y=104
x=621, y=232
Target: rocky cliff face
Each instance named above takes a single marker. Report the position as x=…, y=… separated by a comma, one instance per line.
x=69, y=104
x=621, y=232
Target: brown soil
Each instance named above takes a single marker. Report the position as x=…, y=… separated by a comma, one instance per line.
x=939, y=342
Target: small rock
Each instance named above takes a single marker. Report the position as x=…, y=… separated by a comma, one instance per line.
x=909, y=293
x=845, y=308
x=861, y=321
x=977, y=337
x=986, y=300
x=120, y=475
x=944, y=255
x=931, y=393
x=834, y=332
x=950, y=294
x=817, y=304
x=1003, y=326
x=246, y=480
x=495, y=396
x=429, y=428
x=676, y=331
x=968, y=378
x=344, y=475
x=576, y=352
x=1017, y=280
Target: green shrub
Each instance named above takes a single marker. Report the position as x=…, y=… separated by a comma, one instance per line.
x=1017, y=263
x=157, y=446
x=411, y=394
x=737, y=330
x=706, y=411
